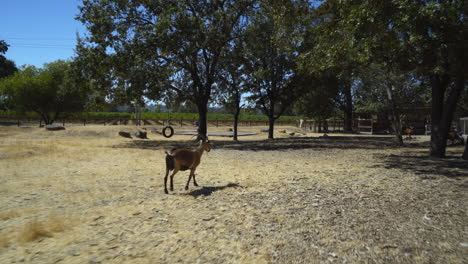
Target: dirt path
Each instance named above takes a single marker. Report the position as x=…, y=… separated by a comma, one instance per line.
x=85, y=195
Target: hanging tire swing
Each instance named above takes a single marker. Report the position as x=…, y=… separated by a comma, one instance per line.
x=168, y=131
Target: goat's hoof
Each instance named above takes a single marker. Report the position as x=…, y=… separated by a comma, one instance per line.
x=186, y=188
x=166, y=191
x=195, y=184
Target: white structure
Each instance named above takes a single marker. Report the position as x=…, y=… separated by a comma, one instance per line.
x=463, y=123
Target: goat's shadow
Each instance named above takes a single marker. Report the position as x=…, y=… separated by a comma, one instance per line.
x=209, y=190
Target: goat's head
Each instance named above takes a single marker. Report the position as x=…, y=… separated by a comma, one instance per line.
x=206, y=145
x=204, y=142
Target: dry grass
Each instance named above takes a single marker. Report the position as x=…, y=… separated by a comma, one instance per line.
x=8, y=215
x=87, y=195
x=33, y=230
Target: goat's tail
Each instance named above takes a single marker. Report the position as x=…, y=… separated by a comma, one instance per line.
x=169, y=161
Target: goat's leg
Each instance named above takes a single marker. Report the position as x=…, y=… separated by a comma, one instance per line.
x=194, y=181
x=165, y=181
x=172, y=179
x=189, y=178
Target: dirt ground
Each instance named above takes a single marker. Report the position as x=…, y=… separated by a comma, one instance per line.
x=87, y=195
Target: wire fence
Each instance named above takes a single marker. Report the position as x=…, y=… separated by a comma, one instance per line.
x=36, y=121
x=333, y=126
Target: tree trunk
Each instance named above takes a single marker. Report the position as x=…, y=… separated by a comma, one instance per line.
x=46, y=118
x=202, y=118
x=395, y=116
x=442, y=113
x=271, y=125
x=236, y=120
x=438, y=141
x=348, y=109
x=56, y=115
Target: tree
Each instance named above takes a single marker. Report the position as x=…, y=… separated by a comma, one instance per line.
x=182, y=40
x=49, y=91
x=3, y=47
x=7, y=67
x=327, y=53
x=273, y=38
x=233, y=83
x=390, y=93
x=318, y=96
x=427, y=37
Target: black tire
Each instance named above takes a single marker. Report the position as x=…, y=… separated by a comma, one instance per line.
x=171, y=131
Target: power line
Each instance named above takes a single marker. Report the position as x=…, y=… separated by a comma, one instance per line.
x=40, y=42
x=26, y=38
x=42, y=46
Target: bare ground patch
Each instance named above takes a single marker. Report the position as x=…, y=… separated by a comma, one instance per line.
x=97, y=197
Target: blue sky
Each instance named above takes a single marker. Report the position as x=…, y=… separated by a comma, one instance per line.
x=39, y=31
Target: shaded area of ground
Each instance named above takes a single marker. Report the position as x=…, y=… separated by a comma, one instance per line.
x=293, y=143
x=421, y=164
x=220, y=134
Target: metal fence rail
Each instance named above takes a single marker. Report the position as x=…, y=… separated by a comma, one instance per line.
x=322, y=126
x=32, y=121
x=464, y=125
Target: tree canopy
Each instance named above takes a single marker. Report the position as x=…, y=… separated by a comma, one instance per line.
x=179, y=41
x=321, y=58
x=272, y=40
x=427, y=38
x=47, y=91
x=7, y=67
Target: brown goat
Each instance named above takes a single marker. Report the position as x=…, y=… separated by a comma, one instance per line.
x=184, y=159
x=408, y=133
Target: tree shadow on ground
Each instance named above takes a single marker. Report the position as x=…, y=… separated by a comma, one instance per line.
x=293, y=143
x=207, y=191
x=425, y=166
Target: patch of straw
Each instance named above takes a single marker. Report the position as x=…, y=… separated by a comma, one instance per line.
x=34, y=229
x=4, y=239
x=8, y=215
